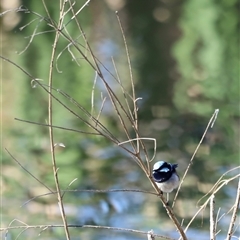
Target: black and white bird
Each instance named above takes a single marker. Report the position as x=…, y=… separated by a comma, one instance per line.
x=165, y=176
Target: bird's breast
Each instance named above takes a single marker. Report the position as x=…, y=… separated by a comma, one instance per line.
x=170, y=184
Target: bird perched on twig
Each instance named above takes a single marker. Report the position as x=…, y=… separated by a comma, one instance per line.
x=165, y=176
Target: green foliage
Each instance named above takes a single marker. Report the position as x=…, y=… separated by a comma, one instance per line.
x=208, y=62
x=207, y=59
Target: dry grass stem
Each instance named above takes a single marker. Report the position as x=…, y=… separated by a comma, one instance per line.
x=217, y=187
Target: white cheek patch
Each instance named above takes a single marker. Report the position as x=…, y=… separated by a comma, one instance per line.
x=164, y=170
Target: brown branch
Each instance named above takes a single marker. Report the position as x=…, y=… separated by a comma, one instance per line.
x=91, y=191
x=28, y=171
x=212, y=218
x=45, y=227
x=57, y=127
x=50, y=120
x=234, y=214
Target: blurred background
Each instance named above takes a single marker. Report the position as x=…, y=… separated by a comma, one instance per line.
x=185, y=62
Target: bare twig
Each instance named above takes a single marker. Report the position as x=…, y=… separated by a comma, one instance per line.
x=93, y=94
x=234, y=214
x=101, y=109
x=137, y=139
x=19, y=9
x=50, y=112
x=45, y=227
x=32, y=36
x=57, y=127
x=124, y=92
x=75, y=14
x=134, y=117
x=16, y=220
x=220, y=182
x=63, y=192
x=212, y=218
x=92, y=191
x=116, y=103
x=210, y=123
x=214, y=190
x=28, y=171
x=109, y=136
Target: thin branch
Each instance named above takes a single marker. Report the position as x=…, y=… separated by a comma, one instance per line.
x=135, y=109
x=19, y=9
x=112, y=138
x=32, y=36
x=28, y=171
x=93, y=93
x=214, y=191
x=210, y=123
x=105, y=132
x=234, y=214
x=26, y=227
x=57, y=127
x=16, y=65
x=63, y=192
x=29, y=23
x=125, y=93
x=130, y=71
x=50, y=119
x=216, y=221
x=101, y=109
x=114, y=99
x=75, y=14
x=137, y=139
x=218, y=183
x=91, y=191
x=9, y=225
x=212, y=218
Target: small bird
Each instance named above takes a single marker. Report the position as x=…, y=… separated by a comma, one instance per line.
x=165, y=176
